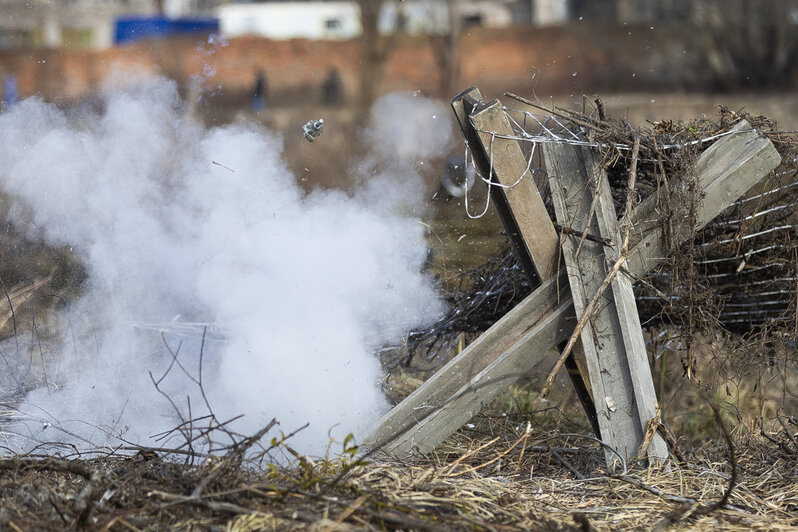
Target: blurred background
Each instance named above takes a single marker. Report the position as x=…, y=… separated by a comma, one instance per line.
x=285, y=62
x=282, y=63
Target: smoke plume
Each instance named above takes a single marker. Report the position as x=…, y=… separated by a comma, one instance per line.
x=199, y=246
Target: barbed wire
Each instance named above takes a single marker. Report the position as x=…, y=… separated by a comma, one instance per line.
x=737, y=275
x=552, y=129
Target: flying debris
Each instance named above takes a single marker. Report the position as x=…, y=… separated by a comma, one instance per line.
x=458, y=177
x=312, y=130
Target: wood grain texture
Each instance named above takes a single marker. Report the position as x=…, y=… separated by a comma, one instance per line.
x=535, y=339
x=510, y=168
x=613, y=342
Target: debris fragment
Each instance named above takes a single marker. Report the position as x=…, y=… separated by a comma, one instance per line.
x=313, y=129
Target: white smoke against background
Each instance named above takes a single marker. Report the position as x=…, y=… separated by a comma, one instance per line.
x=178, y=224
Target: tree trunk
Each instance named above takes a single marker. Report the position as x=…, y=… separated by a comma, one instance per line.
x=373, y=53
x=447, y=51
x=747, y=43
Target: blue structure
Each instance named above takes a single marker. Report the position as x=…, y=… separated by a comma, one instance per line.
x=132, y=29
x=10, y=93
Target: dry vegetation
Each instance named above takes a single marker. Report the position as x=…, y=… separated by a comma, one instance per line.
x=505, y=473
x=524, y=463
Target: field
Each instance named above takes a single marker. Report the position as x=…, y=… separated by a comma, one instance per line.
x=522, y=464
x=531, y=470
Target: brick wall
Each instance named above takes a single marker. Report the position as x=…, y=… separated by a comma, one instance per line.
x=575, y=59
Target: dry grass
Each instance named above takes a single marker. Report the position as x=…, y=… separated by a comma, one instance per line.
x=528, y=479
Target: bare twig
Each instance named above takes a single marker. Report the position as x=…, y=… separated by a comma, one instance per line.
x=233, y=459
x=567, y=465
x=216, y=506
x=723, y=501
x=554, y=112
x=651, y=429
x=569, y=231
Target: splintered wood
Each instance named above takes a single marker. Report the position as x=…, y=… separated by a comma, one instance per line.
x=614, y=358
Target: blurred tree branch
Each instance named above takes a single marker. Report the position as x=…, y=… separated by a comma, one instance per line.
x=446, y=47
x=747, y=43
x=443, y=28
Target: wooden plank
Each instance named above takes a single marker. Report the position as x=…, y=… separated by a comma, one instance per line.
x=485, y=386
x=510, y=168
x=478, y=355
x=750, y=167
x=463, y=105
x=586, y=268
x=637, y=384
x=613, y=343
x=723, y=179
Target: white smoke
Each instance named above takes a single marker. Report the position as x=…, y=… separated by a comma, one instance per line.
x=178, y=225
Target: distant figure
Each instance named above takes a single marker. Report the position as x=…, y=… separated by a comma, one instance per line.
x=259, y=92
x=10, y=95
x=331, y=89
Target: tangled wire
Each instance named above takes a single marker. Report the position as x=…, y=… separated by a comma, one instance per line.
x=736, y=276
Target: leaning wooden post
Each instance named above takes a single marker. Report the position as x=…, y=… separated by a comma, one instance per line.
x=514, y=193
x=725, y=171
x=613, y=344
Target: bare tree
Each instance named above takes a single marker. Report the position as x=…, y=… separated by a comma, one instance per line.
x=747, y=43
x=374, y=51
x=443, y=26
x=446, y=47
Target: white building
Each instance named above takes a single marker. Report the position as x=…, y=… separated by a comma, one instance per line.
x=81, y=23
x=48, y=24
x=291, y=20
x=341, y=19
x=549, y=12
x=90, y=23
x=190, y=8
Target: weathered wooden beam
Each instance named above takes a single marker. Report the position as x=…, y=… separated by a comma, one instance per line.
x=614, y=348
x=755, y=157
x=510, y=169
x=463, y=105
x=722, y=178
x=478, y=355
x=485, y=386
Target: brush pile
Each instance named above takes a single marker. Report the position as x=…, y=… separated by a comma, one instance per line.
x=737, y=276
x=523, y=477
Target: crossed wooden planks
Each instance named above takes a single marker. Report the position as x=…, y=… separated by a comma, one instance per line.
x=534, y=241
x=520, y=340
x=614, y=349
